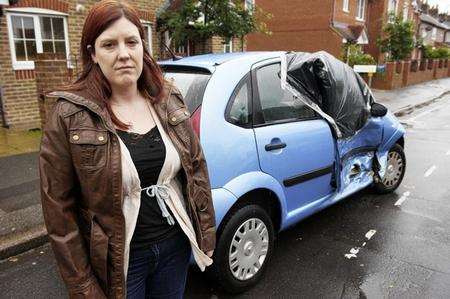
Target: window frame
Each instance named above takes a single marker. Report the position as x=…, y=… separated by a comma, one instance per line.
x=361, y=7
x=230, y=44
x=251, y=9
x=434, y=32
x=257, y=114
x=392, y=9
x=149, y=37
x=35, y=14
x=405, y=12
x=346, y=5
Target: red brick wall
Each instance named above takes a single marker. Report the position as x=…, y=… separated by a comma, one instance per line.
x=300, y=25
x=441, y=71
x=57, y=5
x=51, y=72
x=404, y=73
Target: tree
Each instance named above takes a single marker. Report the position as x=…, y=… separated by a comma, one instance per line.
x=399, y=40
x=199, y=20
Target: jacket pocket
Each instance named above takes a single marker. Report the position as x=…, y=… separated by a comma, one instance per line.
x=89, y=147
x=99, y=252
x=178, y=115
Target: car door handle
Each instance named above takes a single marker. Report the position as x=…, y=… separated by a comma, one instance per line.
x=273, y=146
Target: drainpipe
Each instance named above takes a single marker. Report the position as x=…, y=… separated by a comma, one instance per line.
x=2, y=109
x=332, y=17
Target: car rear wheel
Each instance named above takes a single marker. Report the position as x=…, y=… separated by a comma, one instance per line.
x=244, y=249
x=396, y=166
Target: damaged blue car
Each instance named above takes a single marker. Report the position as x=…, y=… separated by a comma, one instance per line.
x=285, y=135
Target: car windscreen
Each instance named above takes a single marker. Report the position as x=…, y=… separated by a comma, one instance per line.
x=192, y=86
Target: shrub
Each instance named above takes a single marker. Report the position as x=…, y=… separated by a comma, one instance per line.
x=353, y=54
x=438, y=53
x=399, y=40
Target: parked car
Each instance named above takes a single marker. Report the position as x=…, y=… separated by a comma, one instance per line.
x=272, y=159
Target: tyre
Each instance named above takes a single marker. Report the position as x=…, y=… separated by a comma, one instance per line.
x=244, y=249
x=396, y=166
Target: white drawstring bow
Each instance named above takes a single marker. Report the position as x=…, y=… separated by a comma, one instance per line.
x=161, y=193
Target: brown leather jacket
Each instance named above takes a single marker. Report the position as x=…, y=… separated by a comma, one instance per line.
x=81, y=190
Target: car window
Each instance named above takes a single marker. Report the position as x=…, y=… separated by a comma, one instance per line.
x=278, y=104
x=191, y=85
x=239, y=111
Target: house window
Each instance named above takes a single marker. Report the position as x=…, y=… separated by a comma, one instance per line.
x=52, y=31
x=392, y=7
x=345, y=7
x=24, y=38
x=148, y=36
x=360, y=10
x=434, y=33
x=228, y=47
x=249, y=4
x=405, y=12
x=31, y=33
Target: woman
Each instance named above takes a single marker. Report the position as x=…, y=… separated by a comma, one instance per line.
x=124, y=183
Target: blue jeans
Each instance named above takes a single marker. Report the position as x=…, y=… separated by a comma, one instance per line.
x=159, y=271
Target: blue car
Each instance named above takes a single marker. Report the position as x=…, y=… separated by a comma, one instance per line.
x=275, y=158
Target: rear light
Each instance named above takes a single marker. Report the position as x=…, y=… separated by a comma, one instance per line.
x=195, y=121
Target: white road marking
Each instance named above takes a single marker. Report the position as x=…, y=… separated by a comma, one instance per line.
x=447, y=153
x=354, y=251
x=430, y=171
x=370, y=234
x=402, y=198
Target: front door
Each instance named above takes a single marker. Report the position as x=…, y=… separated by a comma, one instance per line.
x=295, y=146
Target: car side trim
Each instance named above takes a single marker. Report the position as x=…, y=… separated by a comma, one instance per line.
x=298, y=179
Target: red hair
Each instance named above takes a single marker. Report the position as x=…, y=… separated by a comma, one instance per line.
x=91, y=79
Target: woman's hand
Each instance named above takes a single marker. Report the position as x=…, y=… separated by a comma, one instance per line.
x=210, y=253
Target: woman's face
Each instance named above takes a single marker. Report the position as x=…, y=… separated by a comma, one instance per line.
x=119, y=53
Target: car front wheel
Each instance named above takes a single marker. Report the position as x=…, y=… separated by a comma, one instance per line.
x=395, y=170
x=243, y=249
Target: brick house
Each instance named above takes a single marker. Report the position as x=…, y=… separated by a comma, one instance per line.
x=432, y=31
x=311, y=25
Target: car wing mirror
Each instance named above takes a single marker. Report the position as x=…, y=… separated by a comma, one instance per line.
x=378, y=110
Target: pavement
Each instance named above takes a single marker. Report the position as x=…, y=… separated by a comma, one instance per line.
x=21, y=220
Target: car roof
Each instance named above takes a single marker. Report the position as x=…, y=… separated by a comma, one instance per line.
x=211, y=61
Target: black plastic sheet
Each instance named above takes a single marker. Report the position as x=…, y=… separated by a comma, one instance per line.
x=334, y=86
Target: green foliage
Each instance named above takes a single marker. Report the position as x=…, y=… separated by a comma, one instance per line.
x=438, y=53
x=353, y=54
x=198, y=20
x=399, y=40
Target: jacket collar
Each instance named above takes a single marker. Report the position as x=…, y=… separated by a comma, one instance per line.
x=100, y=109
